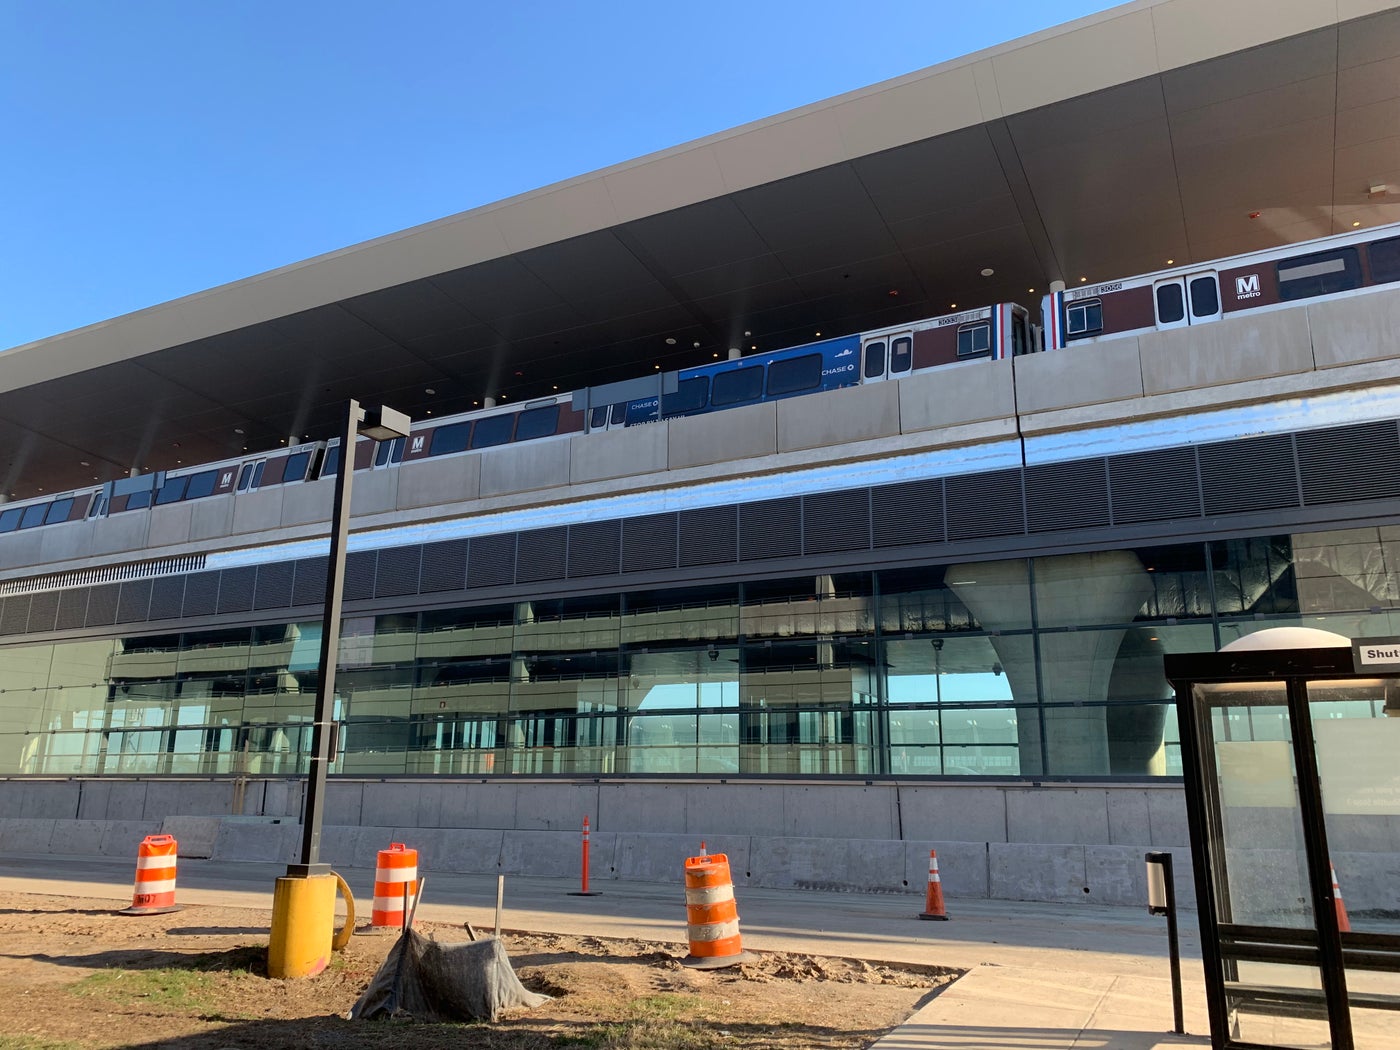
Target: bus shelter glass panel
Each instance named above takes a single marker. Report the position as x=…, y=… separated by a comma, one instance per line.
x=1269, y=957
x=1356, y=736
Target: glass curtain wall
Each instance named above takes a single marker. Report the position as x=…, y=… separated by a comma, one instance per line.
x=1046, y=666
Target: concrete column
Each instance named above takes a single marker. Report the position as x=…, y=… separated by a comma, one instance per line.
x=488, y=402
x=1074, y=589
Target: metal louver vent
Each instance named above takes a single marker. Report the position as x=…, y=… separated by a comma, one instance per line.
x=1350, y=463
x=542, y=554
x=491, y=562
x=359, y=575
x=836, y=521
x=908, y=513
x=444, y=566
x=1160, y=485
x=649, y=543
x=770, y=529
x=134, y=603
x=201, y=595
x=72, y=608
x=236, y=589
x=1072, y=495
x=14, y=616
x=102, y=605
x=594, y=548
x=985, y=505
x=1249, y=474
x=167, y=598
x=709, y=536
x=398, y=571
x=274, y=586
x=309, y=584
x=43, y=611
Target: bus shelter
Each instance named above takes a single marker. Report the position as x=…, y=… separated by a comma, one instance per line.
x=1291, y=760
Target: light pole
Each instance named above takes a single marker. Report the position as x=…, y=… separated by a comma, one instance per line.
x=303, y=906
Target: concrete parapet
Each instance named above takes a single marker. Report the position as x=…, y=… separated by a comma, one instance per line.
x=524, y=467
x=77, y=838
x=723, y=437
x=246, y=839
x=838, y=417
x=122, y=838
x=1089, y=374
x=1233, y=350
x=1054, y=814
x=48, y=798
x=953, y=813
x=617, y=454
x=195, y=836
x=555, y=853
x=1358, y=328
x=870, y=865
x=956, y=394
x=1037, y=872
x=26, y=834
x=661, y=858
x=963, y=867
x=164, y=798
x=839, y=811
x=433, y=482
x=472, y=852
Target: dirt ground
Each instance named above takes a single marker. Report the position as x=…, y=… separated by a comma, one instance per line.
x=76, y=976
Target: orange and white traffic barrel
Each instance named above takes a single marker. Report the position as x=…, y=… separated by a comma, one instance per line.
x=396, y=869
x=1343, y=922
x=933, y=901
x=155, y=877
x=712, y=917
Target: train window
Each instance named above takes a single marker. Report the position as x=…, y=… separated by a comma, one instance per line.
x=245, y=476
x=618, y=415
x=1084, y=318
x=9, y=519
x=901, y=354
x=737, y=386
x=1320, y=274
x=59, y=510
x=172, y=491
x=1205, y=296
x=449, y=439
x=493, y=430
x=201, y=484
x=330, y=467
x=295, y=470
x=138, y=500
x=795, y=375
x=1171, y=303
x=974, y=339
x=258, y=472
x=691, y=396
x=598, y=418
x=1385, y=261
x=537, y=423
x=33, y=515
x=874, y=359
x=383, y=452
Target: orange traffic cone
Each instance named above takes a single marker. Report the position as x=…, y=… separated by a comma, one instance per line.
x=1343, y=923
x=933, y=904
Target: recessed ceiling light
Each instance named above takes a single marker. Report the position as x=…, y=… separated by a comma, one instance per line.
x=1083, y=279
x=84, y=463
x=670, y=340
x=429, y=390
x=714, y=355
x=747, y=334
x=238, y=430
x=894, y=291
x=952, y=306
x=1171, y=262
x=1032, y=290
x=657, y=367
x=1356, y=224
x=754, y=347
x=987, y=271
x=819, y=335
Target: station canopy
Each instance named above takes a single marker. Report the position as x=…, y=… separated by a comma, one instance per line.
x=1159, y=133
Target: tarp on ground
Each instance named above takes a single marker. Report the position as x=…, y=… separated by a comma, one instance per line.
x=428, y=981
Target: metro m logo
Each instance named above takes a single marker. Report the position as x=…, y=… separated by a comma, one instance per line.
x=1247, y=287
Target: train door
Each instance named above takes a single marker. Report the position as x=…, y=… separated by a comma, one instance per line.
x=887, y=356
x=1188, y=300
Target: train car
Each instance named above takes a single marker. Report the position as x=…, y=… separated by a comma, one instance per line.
x=990, y=332
x=534, y=420
x=47, y=510
x=1202, y=293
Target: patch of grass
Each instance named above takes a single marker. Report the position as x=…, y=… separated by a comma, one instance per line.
x=652, y=1035
x=167, y=987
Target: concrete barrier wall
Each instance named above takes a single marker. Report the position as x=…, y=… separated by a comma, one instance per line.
x=1008, y=841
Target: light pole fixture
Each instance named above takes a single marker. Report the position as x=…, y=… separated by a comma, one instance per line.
x=303, y=906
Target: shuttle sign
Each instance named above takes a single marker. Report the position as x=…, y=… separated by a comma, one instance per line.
x=1375, y=654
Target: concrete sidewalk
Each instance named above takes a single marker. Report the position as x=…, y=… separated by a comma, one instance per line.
x=1040, y=976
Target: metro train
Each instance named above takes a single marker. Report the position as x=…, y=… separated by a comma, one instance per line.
x=1331, y=267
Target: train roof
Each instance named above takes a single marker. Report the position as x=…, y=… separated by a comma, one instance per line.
x=1158, y=130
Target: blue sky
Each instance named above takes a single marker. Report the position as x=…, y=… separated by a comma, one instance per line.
x=154, y=149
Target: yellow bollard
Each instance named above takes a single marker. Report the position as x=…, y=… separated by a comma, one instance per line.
x=303, y=924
